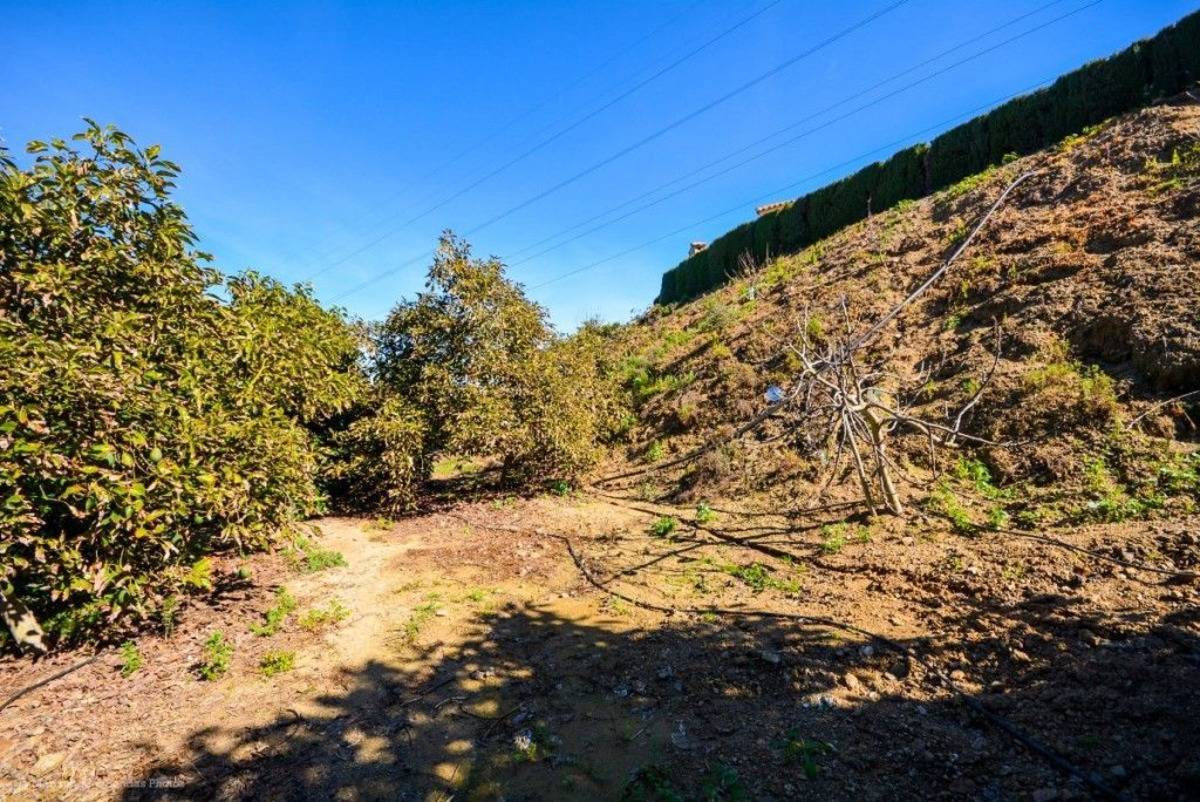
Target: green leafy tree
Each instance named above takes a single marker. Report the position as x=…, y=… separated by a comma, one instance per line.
x=144, y=422
x=491, y=375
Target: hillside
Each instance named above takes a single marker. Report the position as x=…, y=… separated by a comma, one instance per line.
x=737, y=625
x=1088, y=273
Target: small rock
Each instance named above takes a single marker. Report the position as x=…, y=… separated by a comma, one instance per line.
x=1119, y=772
x=867, y=650
x=958, y=675
x=899, y=670
x=440, y=613
x=679, y=737
x=907, y=541
x=851, y=682
x=48, y=763
x=771, y=657
x=1045, y=795
x=665, y=672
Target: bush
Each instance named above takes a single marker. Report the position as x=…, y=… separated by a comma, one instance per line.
x=144, y=422
x=484, y=367
x=380, y=458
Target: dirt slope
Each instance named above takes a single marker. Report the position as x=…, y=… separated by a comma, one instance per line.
x=1090, y=271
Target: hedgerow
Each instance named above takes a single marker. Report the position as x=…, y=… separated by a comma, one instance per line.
x=1162, y=65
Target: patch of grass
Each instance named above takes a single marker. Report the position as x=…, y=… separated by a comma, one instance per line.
x=664, y=526
x=798, y=749
x=968, y=184
x=654, y=453
x=1181, y=171
x=958, y=232
x=276, y=661
x=318, y=618
x=285, y=605
x=943, y=501
x=651, y=783
x=833, y=538
x=704, y=513
x=1013, y=571
x=420, y=616
x=450, y=467
x=218, y=653
x=309, y=558
x=131, y=658
x=758, y=578
x=997, y=518
x=977, y=474
x=722, y=783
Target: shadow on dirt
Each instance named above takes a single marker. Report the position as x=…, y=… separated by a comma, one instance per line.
x=534, y=704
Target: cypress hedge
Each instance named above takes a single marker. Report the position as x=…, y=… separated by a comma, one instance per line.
x=1153, y=68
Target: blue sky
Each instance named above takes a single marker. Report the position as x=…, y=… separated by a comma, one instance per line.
x=311, y=133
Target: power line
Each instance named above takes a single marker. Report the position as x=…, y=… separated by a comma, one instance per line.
x=776, y=192
x=554, y=137
x=804, y=134
x=649, y=138
x=692, y=115
x=755, y=143
x=526, y=114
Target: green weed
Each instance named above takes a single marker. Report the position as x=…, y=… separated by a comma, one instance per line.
x=318, y=618
x=218, y=653
x=805, y=751
x=276, y=661
x=664, y=526
x=285, y=605
x=131, y=658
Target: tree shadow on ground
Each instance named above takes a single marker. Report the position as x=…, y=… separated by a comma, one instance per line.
x=570, y=699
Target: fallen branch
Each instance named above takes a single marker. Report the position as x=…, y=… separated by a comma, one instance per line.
x=1159, y=406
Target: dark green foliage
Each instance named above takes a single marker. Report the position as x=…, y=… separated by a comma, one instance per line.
x=490, y=376
x=143, y=421
x=1160, y=66
x=380, y=458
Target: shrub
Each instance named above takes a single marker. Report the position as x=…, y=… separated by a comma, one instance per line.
x=145, y=422
x=379, y=460
x=491, y=377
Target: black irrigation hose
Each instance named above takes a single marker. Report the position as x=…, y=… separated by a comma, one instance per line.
x=49, y=679
x=1004, y=725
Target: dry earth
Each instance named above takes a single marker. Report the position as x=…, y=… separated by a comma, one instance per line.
x=479, y=662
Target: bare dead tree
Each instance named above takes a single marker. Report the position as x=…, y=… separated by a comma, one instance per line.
x=834, y=404
x=842, y=407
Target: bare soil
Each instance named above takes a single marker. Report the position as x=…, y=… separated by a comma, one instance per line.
x=479, y=662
